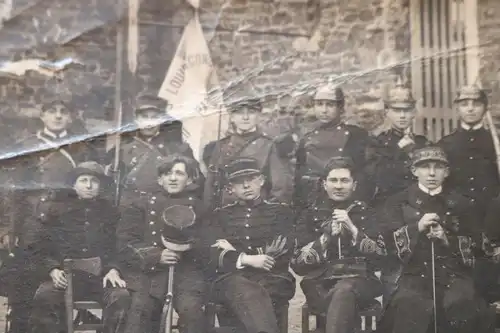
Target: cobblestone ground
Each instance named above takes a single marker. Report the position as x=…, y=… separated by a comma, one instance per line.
x=293, y=320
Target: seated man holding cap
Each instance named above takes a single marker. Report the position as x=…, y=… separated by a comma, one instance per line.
x=158, y=229
x=251, y=248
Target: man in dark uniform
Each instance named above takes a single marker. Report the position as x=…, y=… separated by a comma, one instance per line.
x=330, y=137
x=473, y=170
x=142, y=150
x=337, y=251
x=80, y=224
x=396, y=144
x=423, y=226
x=146, y=260
x=251, y=244
x=245, y=140
x=38, y=173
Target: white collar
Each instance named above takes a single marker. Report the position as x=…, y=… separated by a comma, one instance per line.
x=433, y=192
x=54, y=135
x=468, y=127
x=247, y=132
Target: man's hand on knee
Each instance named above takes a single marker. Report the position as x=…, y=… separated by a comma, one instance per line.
x=59, y=278
x=113, y=278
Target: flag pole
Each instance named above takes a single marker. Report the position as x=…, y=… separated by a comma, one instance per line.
x=118, y=100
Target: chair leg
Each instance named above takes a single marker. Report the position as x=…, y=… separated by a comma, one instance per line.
x=305, y=318
x=68, y=303
x=210, y=313
x=283, y=321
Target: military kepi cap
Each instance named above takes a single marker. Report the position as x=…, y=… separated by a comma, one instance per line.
x=179, y=229
x=429, y=154
x=329, y=93
x=150, y=102
x=400, y=97
x=471, y=92
x=242, y=167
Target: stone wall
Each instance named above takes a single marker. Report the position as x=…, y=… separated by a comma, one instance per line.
x=289, y=47
x=489, y=41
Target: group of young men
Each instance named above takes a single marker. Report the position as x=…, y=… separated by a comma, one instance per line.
x=358, y=217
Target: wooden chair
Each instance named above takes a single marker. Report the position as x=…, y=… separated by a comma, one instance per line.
x=368, y=318
x=212, y=309
x=91, y=266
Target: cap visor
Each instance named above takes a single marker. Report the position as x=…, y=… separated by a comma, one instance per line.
x=401, y=105
x=175, y=246
x=243, y=173
x=431, y=160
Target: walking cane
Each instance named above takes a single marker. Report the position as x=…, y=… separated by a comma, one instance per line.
x=168, y=308
x=433, y=266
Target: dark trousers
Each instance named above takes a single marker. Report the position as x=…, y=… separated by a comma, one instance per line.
x=49, y=313
x=190, y=295
x=20, y=282
x=253, y=299
x=341, y=300
x=459, y=308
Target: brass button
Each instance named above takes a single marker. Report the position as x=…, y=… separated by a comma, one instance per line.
x=247, y=225
x=153, y=233
x=151, y=222
x=152, y=212
x=247, y=237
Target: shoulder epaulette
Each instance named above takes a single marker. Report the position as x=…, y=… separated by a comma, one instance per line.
x=226, y=206
x=275, y=202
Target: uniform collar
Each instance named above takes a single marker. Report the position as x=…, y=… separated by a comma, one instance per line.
x=471, y=128
x=252, y=203
x=148, y=139
x=53, y=135
x=432, y=193
x=246, y=133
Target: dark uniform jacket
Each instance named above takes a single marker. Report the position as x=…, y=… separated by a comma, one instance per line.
x=473, y=168
x=255, y=145
x=139, y=238
x=250, y=227
x=323, y=141
x=393, y=173
x=357, y=256
x=39, y=172
x=140, y=158
x=402, y=213
x=76, y=228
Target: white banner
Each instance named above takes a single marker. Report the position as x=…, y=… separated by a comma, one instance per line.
x=192, y=88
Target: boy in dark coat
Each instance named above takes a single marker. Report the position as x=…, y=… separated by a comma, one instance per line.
x=79, y=224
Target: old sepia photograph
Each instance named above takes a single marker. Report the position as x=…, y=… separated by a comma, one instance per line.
x=250, y=166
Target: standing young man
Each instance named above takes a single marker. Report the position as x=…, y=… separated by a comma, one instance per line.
x=80, y=224
x=330, y=136
x=245, y=140
x=474, y=171
x=142, y=150
x=395, y=146
x=38, y=173
x=251, y=242
x=337, y=251
x=145, y=259
x=424, y=230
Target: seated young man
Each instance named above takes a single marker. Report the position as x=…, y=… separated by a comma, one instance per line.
x=338, y=250
x=251, y=246
x=424, y=226
x=145, y=258
x=79, y=224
